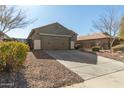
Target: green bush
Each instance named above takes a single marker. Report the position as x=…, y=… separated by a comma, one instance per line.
x=118, y=48
x=96, y=48
x=12, y=55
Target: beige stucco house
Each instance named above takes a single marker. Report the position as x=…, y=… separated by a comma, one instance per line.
x=100, y=39
x=52, y=36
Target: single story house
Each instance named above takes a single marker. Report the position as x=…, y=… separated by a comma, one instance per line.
x=20, y=40
x=87, y=42
x=3, y=36
x=52, y=36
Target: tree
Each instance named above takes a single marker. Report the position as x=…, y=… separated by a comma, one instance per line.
x=108, y=23
x=121, y=33
x=12, y=18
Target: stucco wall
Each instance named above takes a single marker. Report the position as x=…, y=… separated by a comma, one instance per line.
x=89, y=43
x=54, y=29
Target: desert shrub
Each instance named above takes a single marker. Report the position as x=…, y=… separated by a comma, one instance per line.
x=12, y=55
x=118, y=48
x=96, y=48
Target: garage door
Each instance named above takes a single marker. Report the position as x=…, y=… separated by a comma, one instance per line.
x=54, y=42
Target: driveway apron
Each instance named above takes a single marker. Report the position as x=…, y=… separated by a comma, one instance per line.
x=86, y=65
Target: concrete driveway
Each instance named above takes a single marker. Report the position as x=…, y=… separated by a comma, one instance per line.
x=97, y=71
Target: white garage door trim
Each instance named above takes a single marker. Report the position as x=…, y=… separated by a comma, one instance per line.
x=37, y=44
x=54, y=35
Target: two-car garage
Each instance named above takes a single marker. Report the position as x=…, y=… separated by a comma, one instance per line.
x=52, y=42
x=53, y=36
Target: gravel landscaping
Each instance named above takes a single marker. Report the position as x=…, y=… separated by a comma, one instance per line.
x=40, y=71
x=116, y=56
x=119, y=56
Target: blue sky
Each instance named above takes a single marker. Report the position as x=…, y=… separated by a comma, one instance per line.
x=77, y=18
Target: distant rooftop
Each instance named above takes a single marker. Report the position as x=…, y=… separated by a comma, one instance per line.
x=99, y=35
x=3, y=35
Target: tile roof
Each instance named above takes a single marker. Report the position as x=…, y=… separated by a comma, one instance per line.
x=99, y=35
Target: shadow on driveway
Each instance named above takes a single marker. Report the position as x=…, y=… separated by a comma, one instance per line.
x=73, y=56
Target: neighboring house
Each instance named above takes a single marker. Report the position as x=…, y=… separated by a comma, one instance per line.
x=3, y=36
x=52, y=36
x=20, y=40
x=89, y=41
